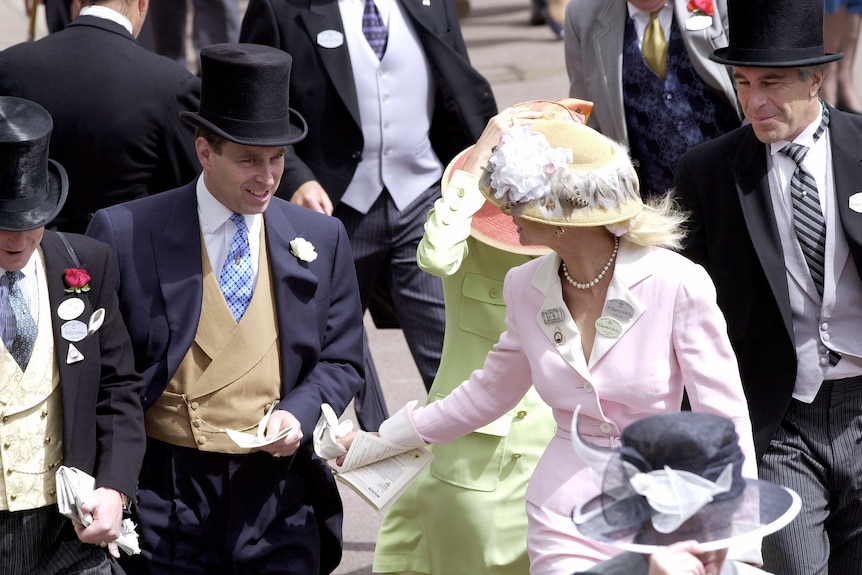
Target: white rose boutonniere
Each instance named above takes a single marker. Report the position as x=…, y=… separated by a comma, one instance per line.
x=303, y=249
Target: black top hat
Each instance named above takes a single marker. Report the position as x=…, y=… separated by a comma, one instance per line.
x=678, y=477
x=32, y=188
x=769, y=34
x=244, y=95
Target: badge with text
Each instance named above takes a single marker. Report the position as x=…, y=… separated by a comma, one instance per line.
x=555, y=315
x=70, y=308
x=330, y=39
x=620, y=309
x=608, y=327
x=73, y=330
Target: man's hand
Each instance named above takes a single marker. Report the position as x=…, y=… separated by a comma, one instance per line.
x=281, y=419
x=346, y=441
x=105, y=505
x=311, y=195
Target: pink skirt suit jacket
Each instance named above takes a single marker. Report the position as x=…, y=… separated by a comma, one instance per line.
x=660, y=333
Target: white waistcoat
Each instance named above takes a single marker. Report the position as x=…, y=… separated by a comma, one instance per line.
x=396, y=100
x=31, y=419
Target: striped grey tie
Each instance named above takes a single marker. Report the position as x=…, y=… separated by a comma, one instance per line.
x=807, y=217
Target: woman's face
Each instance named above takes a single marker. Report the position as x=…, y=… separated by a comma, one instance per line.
x=532, y=233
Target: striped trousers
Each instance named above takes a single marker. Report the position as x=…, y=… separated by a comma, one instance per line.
x=43, y=542
x=817, y=452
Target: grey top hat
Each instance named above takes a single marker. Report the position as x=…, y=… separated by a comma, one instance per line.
x=32, y=188
x=678, y=477
x=769, y=34
x=245, y=95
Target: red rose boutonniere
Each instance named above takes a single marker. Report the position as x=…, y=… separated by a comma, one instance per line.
x=699, y=15
x=77, y=280
x=704, y=7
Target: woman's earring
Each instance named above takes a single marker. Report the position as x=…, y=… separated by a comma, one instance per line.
x=558, y=231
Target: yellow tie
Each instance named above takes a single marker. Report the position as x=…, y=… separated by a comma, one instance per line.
x=655, y=46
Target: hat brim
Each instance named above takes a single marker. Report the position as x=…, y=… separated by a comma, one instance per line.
x=51, y=201
x=762, y=508
x=721, y=56
x=289, y=131
x=490, y=225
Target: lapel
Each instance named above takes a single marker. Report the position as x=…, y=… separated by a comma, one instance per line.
x=609, y=32
x=847, y=173
x=177, y=250
x=72, y=376
x=700, y=43
x=294, y=285
x=621, y=310
x=419, y=13
x=324, y=16
x=748, y=167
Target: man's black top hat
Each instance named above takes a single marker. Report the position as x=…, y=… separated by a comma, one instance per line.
x=32, y=188
x=769, y=34
x=244, y=95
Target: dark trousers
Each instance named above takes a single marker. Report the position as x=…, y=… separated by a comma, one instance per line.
x=223, y=514
x=384, y=243
x=817, y=452
x=43, y=542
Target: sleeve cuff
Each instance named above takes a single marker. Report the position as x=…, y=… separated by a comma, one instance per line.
x=399, y=428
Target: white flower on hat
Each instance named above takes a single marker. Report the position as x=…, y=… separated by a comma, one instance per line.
x=525, y=162
x=303, y=249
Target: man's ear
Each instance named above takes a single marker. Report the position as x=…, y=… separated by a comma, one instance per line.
x=205, y=152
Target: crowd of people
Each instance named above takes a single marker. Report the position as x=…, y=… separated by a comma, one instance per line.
x=635, y=310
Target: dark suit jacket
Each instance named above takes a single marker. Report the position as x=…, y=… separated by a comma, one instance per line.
x=157, y=242
x=103, y=424
x=734, y=235
x=116, y=112
x=322, y=88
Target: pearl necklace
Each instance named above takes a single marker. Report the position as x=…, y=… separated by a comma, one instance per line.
x=599, y=277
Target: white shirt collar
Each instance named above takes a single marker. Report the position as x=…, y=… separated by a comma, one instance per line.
x=108, y=14
x=806, y=138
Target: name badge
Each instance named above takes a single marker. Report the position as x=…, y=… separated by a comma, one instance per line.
x=608, y=327
x=620, y=309
x=330, y=39
x=699, y=22
x=555, y=315
x=73, y=330
x=70, y=308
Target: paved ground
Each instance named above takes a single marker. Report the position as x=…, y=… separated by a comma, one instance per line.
x=522, y=63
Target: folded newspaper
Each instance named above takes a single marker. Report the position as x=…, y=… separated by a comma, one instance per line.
x=376, y=469
x=73, y=488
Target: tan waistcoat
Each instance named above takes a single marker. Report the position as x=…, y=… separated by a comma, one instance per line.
x=230, y=376
x=31, y=419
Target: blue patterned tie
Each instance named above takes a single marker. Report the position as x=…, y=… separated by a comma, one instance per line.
x=236, y=274
x=25, y=334
x=374, y=28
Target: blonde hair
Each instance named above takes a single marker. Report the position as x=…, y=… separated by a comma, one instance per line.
x=661, y=223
